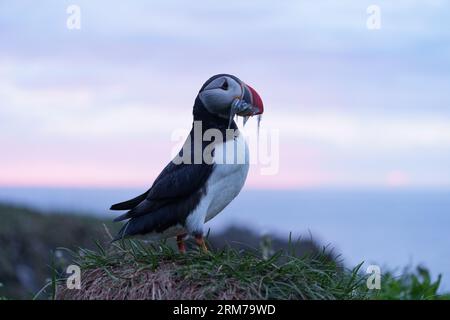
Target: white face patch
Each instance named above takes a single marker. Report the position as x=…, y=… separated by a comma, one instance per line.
x=218, y=95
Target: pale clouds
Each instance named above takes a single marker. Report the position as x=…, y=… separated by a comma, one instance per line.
x=366, y=131
x=352, y=107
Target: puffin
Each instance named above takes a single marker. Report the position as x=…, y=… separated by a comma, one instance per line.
x=207, y=173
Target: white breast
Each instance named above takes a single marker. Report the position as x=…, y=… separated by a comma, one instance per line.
x=226, y=181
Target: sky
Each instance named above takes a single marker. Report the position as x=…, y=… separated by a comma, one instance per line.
x=350, y=107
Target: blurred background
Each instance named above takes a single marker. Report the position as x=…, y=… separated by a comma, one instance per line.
x=363, y=115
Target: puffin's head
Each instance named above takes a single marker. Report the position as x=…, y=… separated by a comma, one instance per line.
x=225, y=95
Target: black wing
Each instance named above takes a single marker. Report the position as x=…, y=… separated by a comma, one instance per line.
x=174, y=194
x=175, y=182
x=179, y=180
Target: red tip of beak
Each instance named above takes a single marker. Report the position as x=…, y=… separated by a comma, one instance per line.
x=256, y=100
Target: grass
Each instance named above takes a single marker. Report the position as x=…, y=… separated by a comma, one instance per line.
x=411, y=284
x=133, y=270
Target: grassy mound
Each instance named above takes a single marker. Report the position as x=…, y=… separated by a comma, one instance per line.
x=134, y=270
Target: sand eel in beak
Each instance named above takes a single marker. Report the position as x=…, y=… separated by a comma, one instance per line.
x=187, y=194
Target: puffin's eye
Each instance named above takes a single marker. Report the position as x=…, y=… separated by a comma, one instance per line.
x=224, y=85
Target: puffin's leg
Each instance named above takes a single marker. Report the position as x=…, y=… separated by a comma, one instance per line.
x=201, y=243
x=180, y=243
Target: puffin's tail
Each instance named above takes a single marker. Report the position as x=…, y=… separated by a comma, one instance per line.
x=129, y=204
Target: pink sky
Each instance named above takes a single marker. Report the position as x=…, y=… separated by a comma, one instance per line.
x=97, y=107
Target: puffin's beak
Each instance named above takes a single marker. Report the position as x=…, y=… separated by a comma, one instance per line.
x=252, y=97
x=250, y=104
